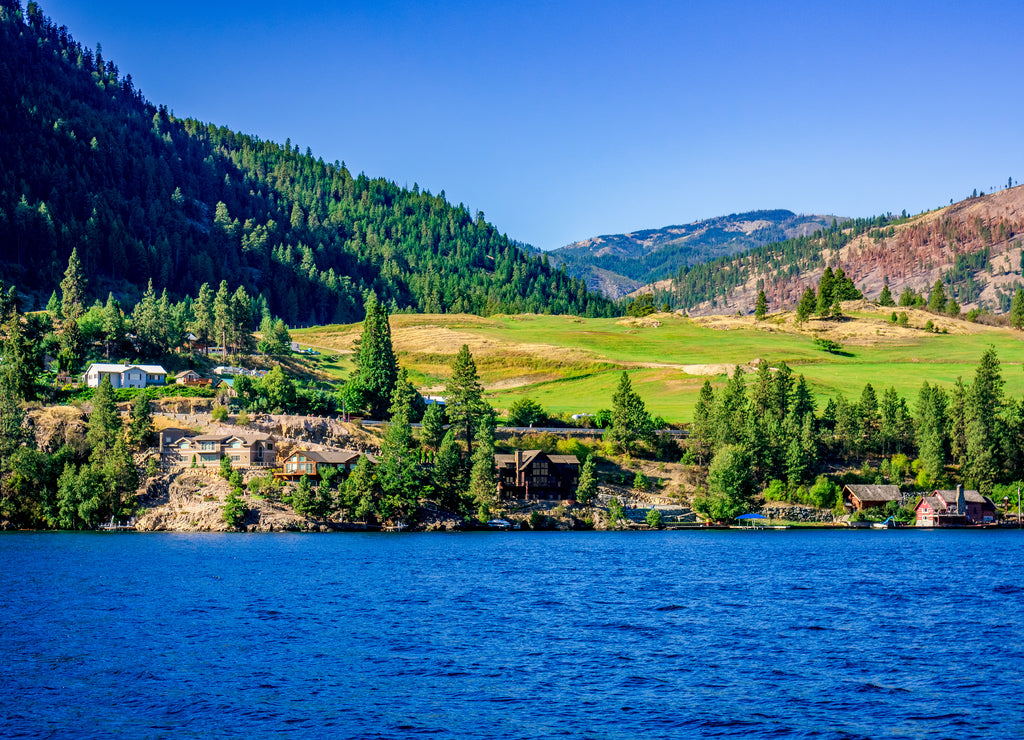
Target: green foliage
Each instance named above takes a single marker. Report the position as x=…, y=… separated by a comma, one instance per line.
x=775, y=491
x=464, y=397
x=482, y=476
x=449, y=474
x=885, y=298
x=761, y=306
x=631, y=423
x=641, y=482
x=616, y=514
x=225, y=467
x=306, y=235
x=235, y=511
x=433, y=431
x=360, y=493
x=525, y=413
x=903, y=319
x=828, y=345
x=586, y=489
x=643, y=305
x=377, y=369
x=654, y=519
x=219, y=413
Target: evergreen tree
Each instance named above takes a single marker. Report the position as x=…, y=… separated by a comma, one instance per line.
x=464, y=397
x=631, y=423
x=104, y=423
x=377, y=369
x=222, y=319
x=703, y=432
x=449, y=473
x=886, y=299
x=937, y=298
x=204, y=324
x=141, y=428
x=398, y=473
x=761, y=307
x=483, y=485
x=826, y=295
x=20, y=360
x=586, y=488
x=731, y=410
x=1017, y=309
x=930, y=430
x=360, y=492
x=114, y=329
x=806, y=306
x=72, y=289
x=984, y=423
x=433, y=432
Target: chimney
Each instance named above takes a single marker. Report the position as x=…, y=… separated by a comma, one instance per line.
x=519, y=465
x=961, y=501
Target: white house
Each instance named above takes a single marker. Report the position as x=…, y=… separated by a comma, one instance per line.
x=125, y=376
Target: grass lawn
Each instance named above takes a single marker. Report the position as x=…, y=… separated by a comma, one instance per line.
x=569, y=364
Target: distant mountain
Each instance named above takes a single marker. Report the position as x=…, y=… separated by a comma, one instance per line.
x=973, y=247
x=619, y=263
x=86, y=161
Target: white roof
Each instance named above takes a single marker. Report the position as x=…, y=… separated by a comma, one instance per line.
x=109, y=367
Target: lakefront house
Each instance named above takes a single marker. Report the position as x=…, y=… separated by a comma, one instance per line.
x=955, y=508
x=537, y=475
x=206, y=450
x=313, y=462
x=871, y=496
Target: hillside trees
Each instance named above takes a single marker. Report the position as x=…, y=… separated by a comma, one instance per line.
x=465, y=406
x=376, y=372
x=631, y=422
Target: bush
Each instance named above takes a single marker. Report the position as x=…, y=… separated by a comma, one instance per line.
x=776, y=491
x=234, y=510
x=525, y=413
x=219, y=413
x=616, y=514
x=641, y=482
x=536, y=519
x=654, y=519
x=823, y=493
x=225, y=467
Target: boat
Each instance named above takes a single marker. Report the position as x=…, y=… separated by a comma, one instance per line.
x=499, y=524
x=889, y=523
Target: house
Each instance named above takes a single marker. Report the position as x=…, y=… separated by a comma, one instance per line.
x=206, y=450
x=311, y=462
x=125, y=376
x=536, y=475
x=193, y=379
x=871, y=496
x=954, y=509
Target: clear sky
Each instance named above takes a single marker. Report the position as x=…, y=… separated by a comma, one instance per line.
x=565, y=120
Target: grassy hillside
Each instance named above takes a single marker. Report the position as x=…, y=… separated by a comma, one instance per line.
x=570, y=364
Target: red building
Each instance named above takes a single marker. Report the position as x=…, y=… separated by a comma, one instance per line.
x=955, y=508
x=871, y=496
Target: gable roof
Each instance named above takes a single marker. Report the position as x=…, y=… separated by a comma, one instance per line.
x=330, y=457
x=110, y=367
x=970, y=496
x=873, y=492
x=530, y=456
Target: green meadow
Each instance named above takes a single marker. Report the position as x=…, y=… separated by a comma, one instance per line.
x=572, y=365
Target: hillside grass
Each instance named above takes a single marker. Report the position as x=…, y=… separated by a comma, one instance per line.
x=572, y=365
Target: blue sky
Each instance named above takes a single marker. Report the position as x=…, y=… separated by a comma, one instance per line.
x=564, y=120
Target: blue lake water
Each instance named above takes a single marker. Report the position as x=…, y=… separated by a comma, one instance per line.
x=817, y=634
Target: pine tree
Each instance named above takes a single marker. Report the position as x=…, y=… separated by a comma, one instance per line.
x=114, y=330
x=483, y=485
x=586, y=489
x=464, y=397
x=360, y=491
x=826, y=295
x=398, y=472
x=930, y=430
x=1017, y=309
x=984, y=422
x=204, y=323
x=141, y=428
x=702, y=431
x=72, y=289
x=104, y=423
x=377, y=369
x=449, y=473
x=761, y=307
x=222, y=320
x=631, y=423
x=806, y=306
x=937, y=298
x=886, y=299
x=433, y=432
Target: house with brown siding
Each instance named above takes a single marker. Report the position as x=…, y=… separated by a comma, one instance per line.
x=536, y=475
x=955, y=508
x=312, y=462
x=871, y=496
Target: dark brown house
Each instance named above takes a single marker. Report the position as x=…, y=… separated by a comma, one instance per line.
x=871, y=496
x=536, y=475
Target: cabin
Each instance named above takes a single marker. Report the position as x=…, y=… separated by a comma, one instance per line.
x=193, y=379
x=125, y=376
x=871, y=496
x=534, y=475
x=206, y=450
x=312, y=462
x=956, y=508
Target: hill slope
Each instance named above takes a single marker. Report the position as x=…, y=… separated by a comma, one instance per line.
x=87, y=162
x=617, y=264
x=973, y=247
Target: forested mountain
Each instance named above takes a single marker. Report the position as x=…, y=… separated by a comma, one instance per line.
x=973, y=248
x=617, y=264
x=86, y=161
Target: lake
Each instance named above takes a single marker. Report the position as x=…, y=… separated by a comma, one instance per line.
x=823, y=634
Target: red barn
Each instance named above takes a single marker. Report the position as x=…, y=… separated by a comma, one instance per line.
x=954, y=508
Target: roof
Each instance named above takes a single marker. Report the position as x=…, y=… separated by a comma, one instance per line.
x=872, y=492
x=970, y=496
x=109, y=367
x=330, y=457
x=530, y=455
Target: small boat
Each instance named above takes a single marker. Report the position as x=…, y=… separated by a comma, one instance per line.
x=889, y=523
x=499, y=524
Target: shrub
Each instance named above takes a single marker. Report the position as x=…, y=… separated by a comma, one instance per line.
x=641, y=482
x=654, y=519
x=225, y=467
x=219, y=413
x=776, y=491
x=234, y=510
x=616, y=514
